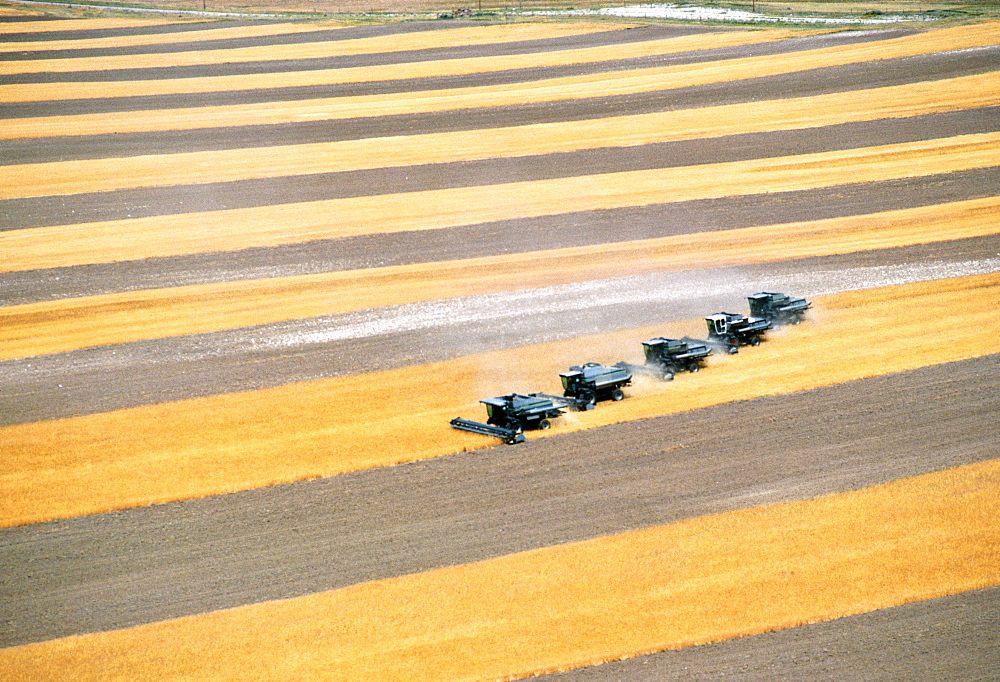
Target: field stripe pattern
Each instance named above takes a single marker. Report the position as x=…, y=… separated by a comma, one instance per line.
x=514, y=193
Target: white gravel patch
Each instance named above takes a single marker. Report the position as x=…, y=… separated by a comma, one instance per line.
x=695, y=13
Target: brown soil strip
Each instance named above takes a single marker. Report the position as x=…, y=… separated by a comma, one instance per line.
x=297, y=67
x=36, y=248
x=60, y=326
x=476, y=241
x=375, y=80
x=398, y=42
x=118, y=570
x=838, y=79
x=88, y=27
x=599, y=48
x=627, y=132
x=551, y=90
x=213, y=445
x=207, y=32
x=950, y=638
x=665, y=587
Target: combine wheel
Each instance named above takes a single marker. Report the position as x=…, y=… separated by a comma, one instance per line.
x=755, y=341
x=588, y=397
x=796, y=319
x=544, y=424
x=732, y=350
x=668, y=375
x=694, y=367
x=515, y=426
x=617, y=394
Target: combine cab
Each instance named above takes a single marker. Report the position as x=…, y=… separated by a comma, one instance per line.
x=592, y=382
x=778, y=308
x=729, y=331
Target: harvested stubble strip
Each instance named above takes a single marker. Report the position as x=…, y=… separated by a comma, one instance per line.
x=207, y=446
x=447, y=37
x=425, y=69
x=70, y=324
x=129, y=239
x=703, y=580
x=551, y=90
x=206, y=32
x=192, y=168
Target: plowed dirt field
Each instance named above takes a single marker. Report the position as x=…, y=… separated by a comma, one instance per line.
x=250, y=270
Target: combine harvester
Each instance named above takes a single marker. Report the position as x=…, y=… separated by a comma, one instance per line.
x=729, y=331
x=510, y=415
x=592, y=382
x=666, y=357
x=778, y=308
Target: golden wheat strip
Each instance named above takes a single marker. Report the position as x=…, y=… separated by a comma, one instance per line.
x=70, y=324
x=97, y=175
x=450, y=67
x=193, y=36
x=449, y=37
x=219, y=444
x=556, y=89
x=291, y=223
x=701, y=580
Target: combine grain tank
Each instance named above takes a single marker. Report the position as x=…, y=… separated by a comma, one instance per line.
x=669, y=356
x=591, y=382
x=729, y=331
x=778, y=308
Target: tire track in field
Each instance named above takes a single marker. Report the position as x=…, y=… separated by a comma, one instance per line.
x=110, y=571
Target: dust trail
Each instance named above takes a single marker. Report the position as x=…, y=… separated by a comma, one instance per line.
x=106, y=378
x=659, y=288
